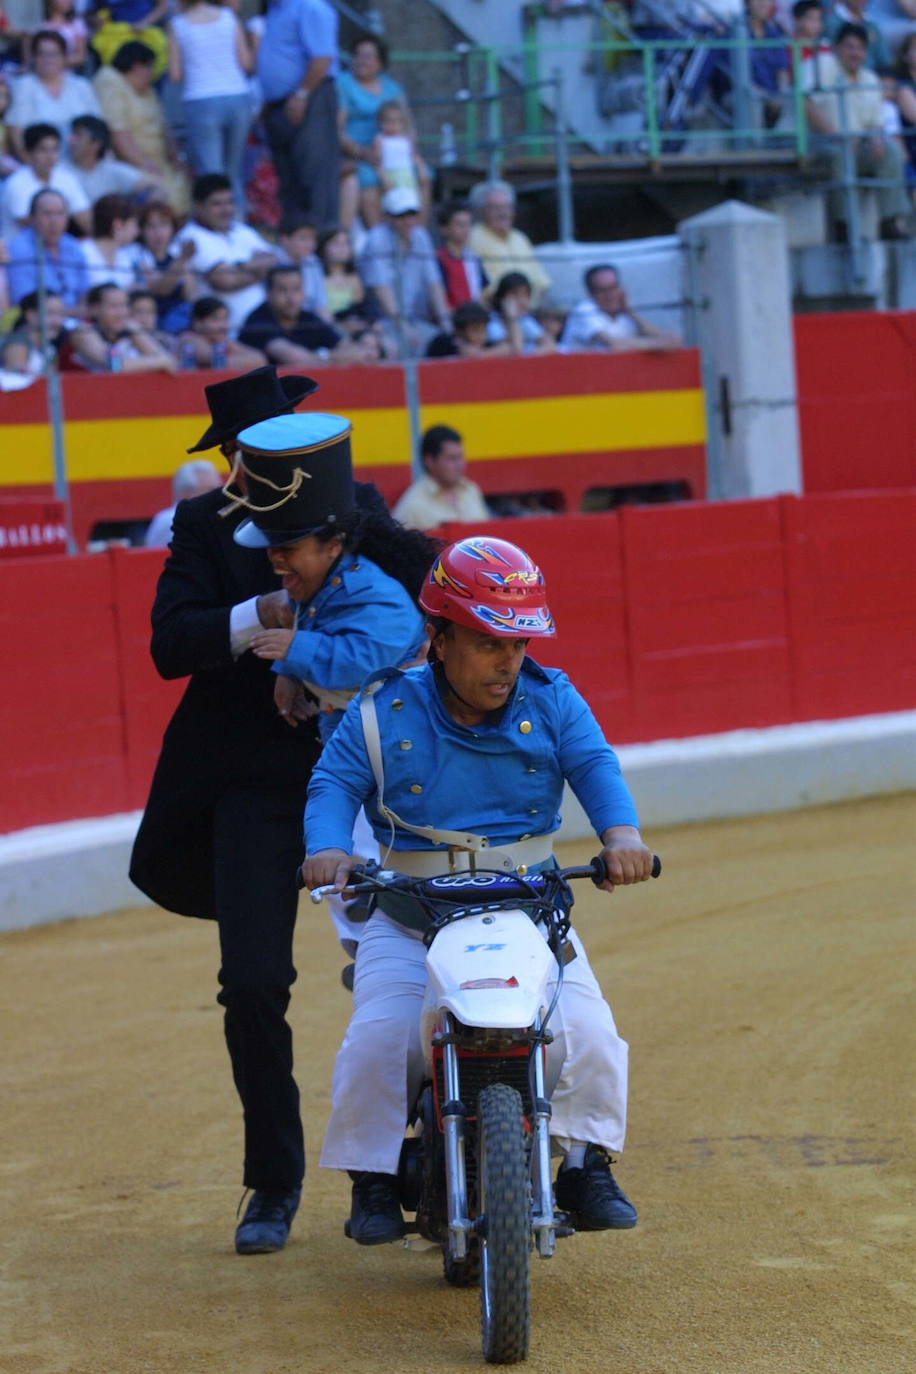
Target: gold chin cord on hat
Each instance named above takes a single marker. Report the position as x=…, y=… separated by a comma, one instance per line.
x=237, y=497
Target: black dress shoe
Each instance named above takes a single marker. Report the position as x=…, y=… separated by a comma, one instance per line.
x=375, y=1215
x=592, y=1197
x=265, y=1225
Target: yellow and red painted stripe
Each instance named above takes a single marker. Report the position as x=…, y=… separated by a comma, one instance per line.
x=565, y=422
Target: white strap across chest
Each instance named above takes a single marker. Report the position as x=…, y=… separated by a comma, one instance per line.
x=459, y=839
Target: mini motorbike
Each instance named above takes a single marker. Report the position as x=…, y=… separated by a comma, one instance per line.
x=476, y=1170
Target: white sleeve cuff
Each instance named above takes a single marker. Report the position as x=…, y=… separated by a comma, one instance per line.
x=243, y=625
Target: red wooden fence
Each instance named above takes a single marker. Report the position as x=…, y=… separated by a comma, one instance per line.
x=673, y=621
x=856, y=379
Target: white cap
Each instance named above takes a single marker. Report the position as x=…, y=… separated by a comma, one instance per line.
x=400, y=200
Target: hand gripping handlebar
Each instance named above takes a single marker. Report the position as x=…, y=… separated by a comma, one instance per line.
x=367, y=880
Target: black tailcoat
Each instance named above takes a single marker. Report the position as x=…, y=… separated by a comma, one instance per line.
x=226, y=730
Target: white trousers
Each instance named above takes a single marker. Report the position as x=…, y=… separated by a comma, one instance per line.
x=380, y=1065
x=365, y=845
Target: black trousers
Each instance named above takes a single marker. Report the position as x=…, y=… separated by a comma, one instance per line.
x=307, y=156
x=257, y=848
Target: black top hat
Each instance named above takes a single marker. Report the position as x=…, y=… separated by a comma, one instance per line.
x=245, y=400
x=298, y=478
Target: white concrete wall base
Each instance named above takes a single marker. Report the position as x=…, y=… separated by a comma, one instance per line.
x=79, y=868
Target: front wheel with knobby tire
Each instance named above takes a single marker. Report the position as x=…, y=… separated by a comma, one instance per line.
x=505, y=1240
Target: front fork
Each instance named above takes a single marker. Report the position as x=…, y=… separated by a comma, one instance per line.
x=542, y=1219
x=453, y=1129
x=460, y=1225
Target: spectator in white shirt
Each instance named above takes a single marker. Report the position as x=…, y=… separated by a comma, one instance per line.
x=230, y=258
x=192, y=479
x=209, y=58
x=49, y=94
x=109, y=253
x=97, y=170
x=604, y=322
x=845, y=103
x=42, y=169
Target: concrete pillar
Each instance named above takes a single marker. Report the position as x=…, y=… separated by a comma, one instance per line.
x=738, y=275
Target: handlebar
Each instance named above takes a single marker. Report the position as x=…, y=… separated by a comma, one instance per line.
x=373, y=879
x=597, y=870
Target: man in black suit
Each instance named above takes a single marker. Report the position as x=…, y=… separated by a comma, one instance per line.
x=221, y=836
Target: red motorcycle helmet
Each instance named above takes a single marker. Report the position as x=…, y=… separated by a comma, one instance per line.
x=489, y=585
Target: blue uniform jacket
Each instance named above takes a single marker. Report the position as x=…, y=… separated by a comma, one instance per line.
x=503, y=778
x=359, y=620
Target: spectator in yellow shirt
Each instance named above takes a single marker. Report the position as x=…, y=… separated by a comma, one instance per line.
x=444, y=493
x=497, y=242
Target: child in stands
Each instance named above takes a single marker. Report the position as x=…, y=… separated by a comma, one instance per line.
x=399, y=162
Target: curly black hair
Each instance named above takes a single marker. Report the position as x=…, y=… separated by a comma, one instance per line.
x=406, y=555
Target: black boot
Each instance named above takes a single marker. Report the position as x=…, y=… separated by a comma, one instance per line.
x=265, y=1225
x=375, y=1215
x=592, y=1197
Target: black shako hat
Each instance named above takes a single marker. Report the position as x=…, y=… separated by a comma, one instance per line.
x=298, y=478
x=254, y=396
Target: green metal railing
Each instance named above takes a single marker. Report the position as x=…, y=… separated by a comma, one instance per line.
x=494, y=102
x=482, y=91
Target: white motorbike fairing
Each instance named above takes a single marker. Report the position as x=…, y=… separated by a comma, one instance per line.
x=489, y=969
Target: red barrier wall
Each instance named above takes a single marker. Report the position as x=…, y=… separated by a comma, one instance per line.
x=851, y=572
x=149, y=701
x=857, y=399
x=672, y=621
x=708, y=628
x=63, y=717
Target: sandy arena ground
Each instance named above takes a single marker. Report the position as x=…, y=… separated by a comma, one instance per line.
x=762, y=984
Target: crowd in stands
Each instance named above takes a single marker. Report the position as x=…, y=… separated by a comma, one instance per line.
x=181, y=187
x=850, y=58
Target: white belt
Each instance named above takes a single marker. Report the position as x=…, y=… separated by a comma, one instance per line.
x=331, y=698
x=516, y=857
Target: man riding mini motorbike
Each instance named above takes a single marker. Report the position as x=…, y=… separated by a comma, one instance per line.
x=479, y=739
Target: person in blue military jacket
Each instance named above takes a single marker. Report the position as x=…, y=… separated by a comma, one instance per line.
x=345, y=577
x=354, y=613
x=480, y=739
